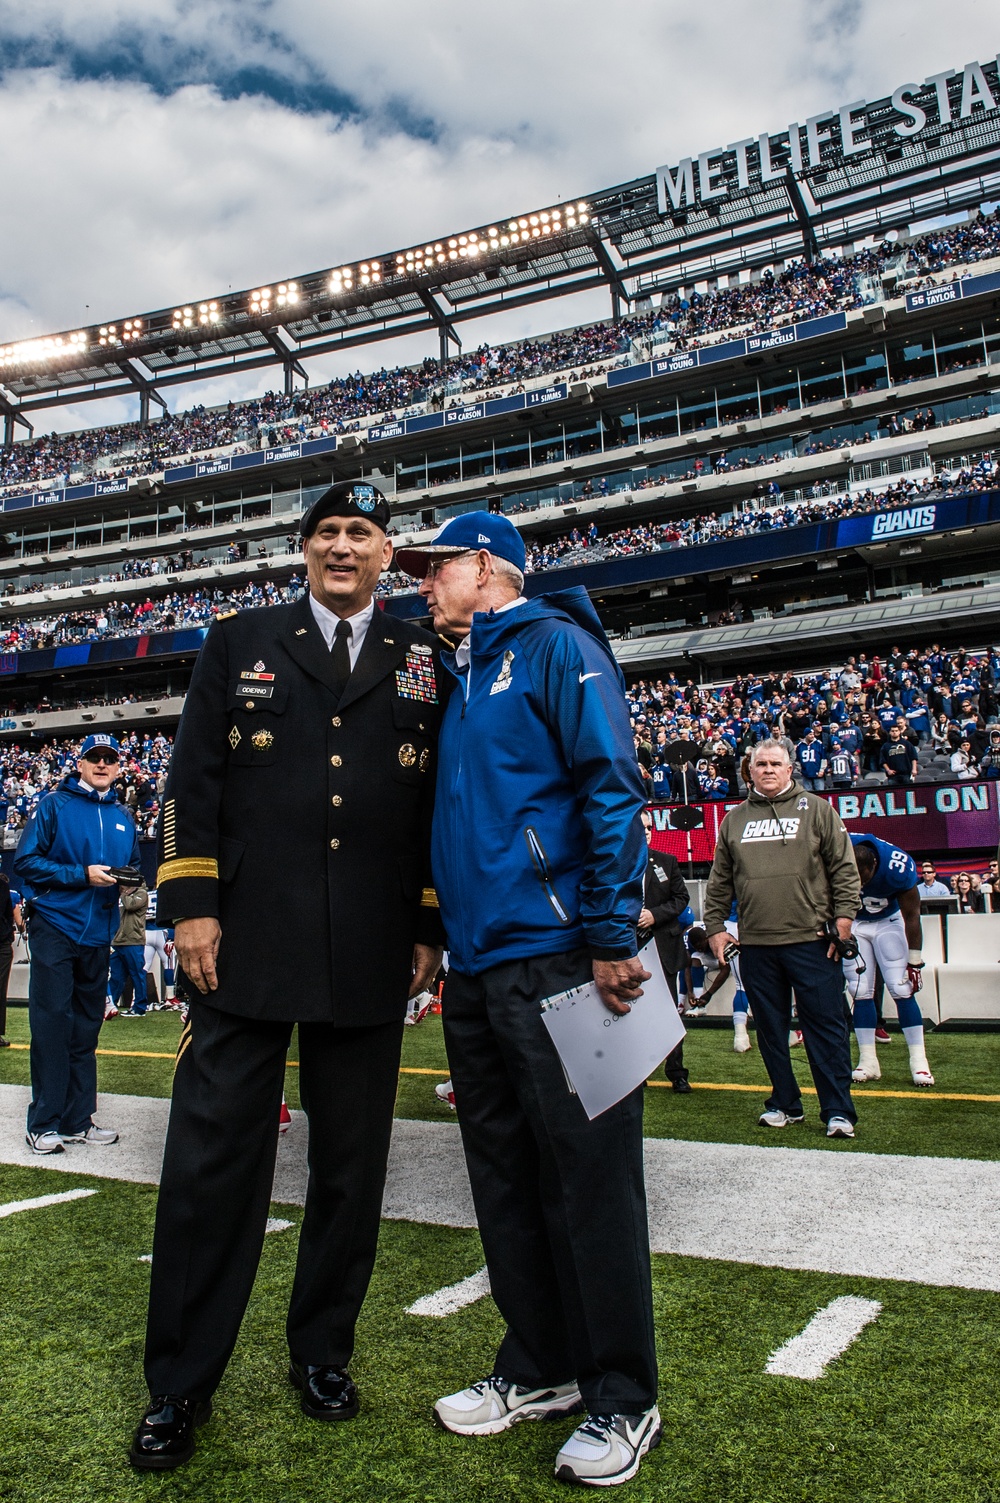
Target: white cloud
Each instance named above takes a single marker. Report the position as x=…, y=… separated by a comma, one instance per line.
x=142, y=177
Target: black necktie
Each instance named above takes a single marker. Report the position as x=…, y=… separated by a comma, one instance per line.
x=341, y=657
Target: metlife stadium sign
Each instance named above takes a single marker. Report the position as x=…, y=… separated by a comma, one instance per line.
x=914, y=112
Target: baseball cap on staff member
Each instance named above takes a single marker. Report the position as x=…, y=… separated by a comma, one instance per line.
x=100, y=741
x=348, y=498
x=466, y=534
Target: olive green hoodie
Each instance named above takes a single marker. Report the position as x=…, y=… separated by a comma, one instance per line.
x=789, y=863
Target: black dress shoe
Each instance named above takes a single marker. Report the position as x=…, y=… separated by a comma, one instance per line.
x=681, y=1085
x=328, y=1393
x=165, y=1437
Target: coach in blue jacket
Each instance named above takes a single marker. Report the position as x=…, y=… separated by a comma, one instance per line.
x=538, y=857
x=76, y=834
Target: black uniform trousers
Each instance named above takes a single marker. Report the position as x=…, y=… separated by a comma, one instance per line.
x=560, y=1201
x=215, y=1189
x=769, y=973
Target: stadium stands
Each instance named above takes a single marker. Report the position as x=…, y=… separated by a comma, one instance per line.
x=684, y=321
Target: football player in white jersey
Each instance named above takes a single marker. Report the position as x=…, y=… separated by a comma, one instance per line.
x=889, y=934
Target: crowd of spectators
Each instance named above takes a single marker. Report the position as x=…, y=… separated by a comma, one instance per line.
x=28, y=772
x=588, y=545
x=802, y=290
x=125, y=618
x=178, y=609
x=919, y=715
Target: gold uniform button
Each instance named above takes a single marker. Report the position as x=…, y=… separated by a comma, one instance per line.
x=336, y=761
x=335, y=845
x=337, y=800
x=248, y=704
x=336, y=721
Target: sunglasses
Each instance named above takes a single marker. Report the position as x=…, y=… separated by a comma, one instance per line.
x=95, y=757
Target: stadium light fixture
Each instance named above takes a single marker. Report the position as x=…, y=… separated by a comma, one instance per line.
x=44, y=349
x=196, y=320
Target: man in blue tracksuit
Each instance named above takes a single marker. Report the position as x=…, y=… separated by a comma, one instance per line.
x=76, y=834
x=538, y=856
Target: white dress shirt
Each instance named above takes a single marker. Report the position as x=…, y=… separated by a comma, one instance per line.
x=327, y=623
x=464, y=648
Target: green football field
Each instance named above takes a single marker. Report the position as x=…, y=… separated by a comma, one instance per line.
x=909, y=1412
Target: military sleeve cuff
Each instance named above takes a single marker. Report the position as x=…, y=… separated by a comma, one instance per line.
x=186, y=898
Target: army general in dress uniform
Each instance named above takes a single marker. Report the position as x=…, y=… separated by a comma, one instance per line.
x=294, y=867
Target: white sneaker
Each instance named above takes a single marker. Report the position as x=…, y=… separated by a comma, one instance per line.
x=608, y=1448
x=839, y=1127
x=922, y=1075
x=445, y=1093
x=96, y=1137
x=741, y=1041
x=794, y=1038
x=867, y=1070
x=110, y=1010
x=494, y=1405
x=777, y=1118
x=44, y=1142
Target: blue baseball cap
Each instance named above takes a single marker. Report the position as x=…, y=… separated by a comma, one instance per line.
x=100, y=739
x=466, y=534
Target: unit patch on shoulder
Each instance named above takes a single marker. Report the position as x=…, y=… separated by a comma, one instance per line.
x=416, y=679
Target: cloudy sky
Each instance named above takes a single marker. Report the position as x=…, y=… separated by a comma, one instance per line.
x=165, y=150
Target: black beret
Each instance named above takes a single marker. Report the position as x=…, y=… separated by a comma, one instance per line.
x=348, y=498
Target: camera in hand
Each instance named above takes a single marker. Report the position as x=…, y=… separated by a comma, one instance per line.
x=731, y=952
x=847, y=949
x=128, y=876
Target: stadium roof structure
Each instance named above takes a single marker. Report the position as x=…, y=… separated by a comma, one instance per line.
x=846, y=174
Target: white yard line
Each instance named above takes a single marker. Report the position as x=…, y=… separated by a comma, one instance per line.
x=13, y=1206
x=922, y=1220
x=274, y=1224
x=825, y=1338
x=453, y=1296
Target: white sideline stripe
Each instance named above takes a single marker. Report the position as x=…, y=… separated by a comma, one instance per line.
x=453, y=1296
x=881, y=1216
x=274, y=1224
x=13, y=1206
x=825, y=1338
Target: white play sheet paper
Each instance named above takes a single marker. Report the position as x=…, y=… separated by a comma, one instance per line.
x=606, y=1055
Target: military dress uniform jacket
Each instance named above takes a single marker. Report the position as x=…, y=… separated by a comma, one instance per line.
x=303, y=823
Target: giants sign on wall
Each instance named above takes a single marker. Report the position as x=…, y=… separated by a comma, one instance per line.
x=931, y=818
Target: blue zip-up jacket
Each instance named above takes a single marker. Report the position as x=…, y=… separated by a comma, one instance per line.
x=73, y=828
x=538, y=846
